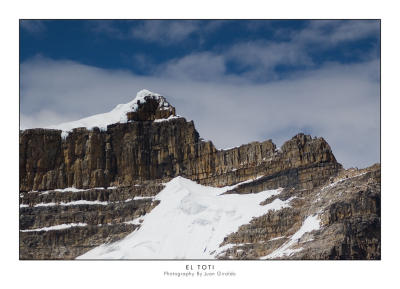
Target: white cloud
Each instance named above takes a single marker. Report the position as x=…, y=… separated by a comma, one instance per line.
x=163, y=31
x=338, y=102
x=106, y=27
x=333, y=32
x=261, y=58
x=196, y=66
x=42, y=118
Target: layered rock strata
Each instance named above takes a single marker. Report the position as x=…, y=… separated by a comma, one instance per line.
x=347, y=208
x=141, y=151
x=64, y=224
x=87, y=187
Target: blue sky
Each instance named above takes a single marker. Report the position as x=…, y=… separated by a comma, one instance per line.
x=240, y=81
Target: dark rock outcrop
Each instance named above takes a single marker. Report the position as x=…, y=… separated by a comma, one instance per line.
x=152, y=108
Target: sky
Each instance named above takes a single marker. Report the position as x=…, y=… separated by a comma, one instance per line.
x=239, y=80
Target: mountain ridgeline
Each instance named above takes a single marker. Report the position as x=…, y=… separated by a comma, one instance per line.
x=146, y=150
x=150, y=146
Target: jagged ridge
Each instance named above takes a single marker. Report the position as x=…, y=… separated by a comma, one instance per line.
x=147, y=149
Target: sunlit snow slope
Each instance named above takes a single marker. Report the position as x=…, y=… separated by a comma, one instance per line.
x=190, y=222
x=118, y=114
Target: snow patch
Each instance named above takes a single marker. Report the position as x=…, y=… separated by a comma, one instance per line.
x=311, y=223
x=45, y=205
x=341, y=180
x=71, y=190
x=138, y=198
x=74, y=190
x=84, y=202
x=136, y=221
x=191, y=221
x=117, y=115
x=73, y=203
x=277, y=238
x=56, y=227
x=228, y=188
x=167, y=119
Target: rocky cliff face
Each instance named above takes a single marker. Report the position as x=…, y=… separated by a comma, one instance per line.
x=347, y=207
x=140, y=151
x=64, y=224
x=107, y=167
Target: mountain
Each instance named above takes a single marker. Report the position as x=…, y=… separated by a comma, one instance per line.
x=141, y=175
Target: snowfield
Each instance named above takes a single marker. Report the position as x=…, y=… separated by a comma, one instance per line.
x=190, y=222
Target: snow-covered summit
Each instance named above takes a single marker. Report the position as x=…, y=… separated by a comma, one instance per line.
x=144, y=95
x=119, y=113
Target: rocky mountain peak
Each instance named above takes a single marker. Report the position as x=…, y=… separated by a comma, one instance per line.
x=146, y=106
x=149, y=106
